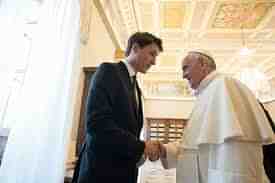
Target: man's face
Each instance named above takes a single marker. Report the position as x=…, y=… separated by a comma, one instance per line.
x=146, y=57
x=192, y=70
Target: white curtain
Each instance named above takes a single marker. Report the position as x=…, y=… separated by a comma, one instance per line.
x=36, y=148
x=9, y=13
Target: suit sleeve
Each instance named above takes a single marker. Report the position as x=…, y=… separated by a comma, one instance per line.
x=108, y=137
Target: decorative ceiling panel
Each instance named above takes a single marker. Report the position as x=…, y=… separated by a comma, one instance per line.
x=226, y=35
x=232, y=15
x=146, y=12
x=172, y=35
x=271, y=22
x=172, y=14
x=213, y=25
x=223, y=52
x=268, y=65
x=258, y=59
x=199, y=12
x=262, y=35
x=128, y=14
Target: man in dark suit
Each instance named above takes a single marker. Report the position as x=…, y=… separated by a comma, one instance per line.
x=114, y=117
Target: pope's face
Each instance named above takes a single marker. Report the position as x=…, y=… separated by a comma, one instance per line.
x=192, y=70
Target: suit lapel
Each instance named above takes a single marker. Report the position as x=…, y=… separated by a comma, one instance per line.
x=125, y=76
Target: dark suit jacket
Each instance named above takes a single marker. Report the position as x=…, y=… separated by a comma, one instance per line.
x=113, y=125
x=269, y=150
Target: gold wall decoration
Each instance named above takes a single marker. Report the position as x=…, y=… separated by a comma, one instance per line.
x=119, y=54
x=236, y=15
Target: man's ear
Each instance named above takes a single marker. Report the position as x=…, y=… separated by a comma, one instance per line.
x=135, y=47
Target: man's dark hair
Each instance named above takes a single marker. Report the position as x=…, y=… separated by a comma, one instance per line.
x=142, y=39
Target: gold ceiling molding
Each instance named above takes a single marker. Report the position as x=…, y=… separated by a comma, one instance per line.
x=128, y=15
x=104, y=8
x=232, y=15
x=207, y=24
x=119, y=54
x=122, y=19
x=172, y=14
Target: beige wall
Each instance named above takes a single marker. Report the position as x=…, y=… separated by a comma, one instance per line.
x=161, y=108
x=99, y=47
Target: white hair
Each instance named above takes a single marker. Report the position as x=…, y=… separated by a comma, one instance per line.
x=207, y=58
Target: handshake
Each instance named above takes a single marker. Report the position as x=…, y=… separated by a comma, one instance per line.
x=154, y=150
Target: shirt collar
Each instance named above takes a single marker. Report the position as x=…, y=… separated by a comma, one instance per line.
x=204, y=83
x=130, y=69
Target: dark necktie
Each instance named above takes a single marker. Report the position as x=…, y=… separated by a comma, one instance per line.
x=134, y=82
x=135, y=94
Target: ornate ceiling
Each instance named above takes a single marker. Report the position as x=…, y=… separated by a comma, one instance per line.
x=220, y=26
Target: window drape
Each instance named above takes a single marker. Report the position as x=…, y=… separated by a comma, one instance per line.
x=42, y=113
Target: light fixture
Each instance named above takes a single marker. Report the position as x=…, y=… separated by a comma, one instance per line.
x=244, y=51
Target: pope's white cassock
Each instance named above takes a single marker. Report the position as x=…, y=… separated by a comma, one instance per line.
x=222, y=142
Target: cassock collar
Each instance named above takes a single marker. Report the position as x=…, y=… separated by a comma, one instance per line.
x=204, y=83
x=130, y=69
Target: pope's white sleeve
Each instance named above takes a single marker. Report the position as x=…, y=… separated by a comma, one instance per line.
x=172, y=151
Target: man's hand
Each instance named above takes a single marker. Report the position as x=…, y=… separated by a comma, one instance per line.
x=152, y=150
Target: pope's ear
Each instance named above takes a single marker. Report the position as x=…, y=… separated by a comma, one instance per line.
x=205, y=68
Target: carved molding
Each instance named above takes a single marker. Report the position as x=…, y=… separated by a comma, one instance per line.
x=236, y=15
x=166, y=89
x=121, y=17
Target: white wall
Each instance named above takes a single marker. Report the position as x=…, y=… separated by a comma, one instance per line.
x=161, y=108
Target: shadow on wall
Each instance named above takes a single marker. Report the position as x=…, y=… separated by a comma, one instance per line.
x=4, y=133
